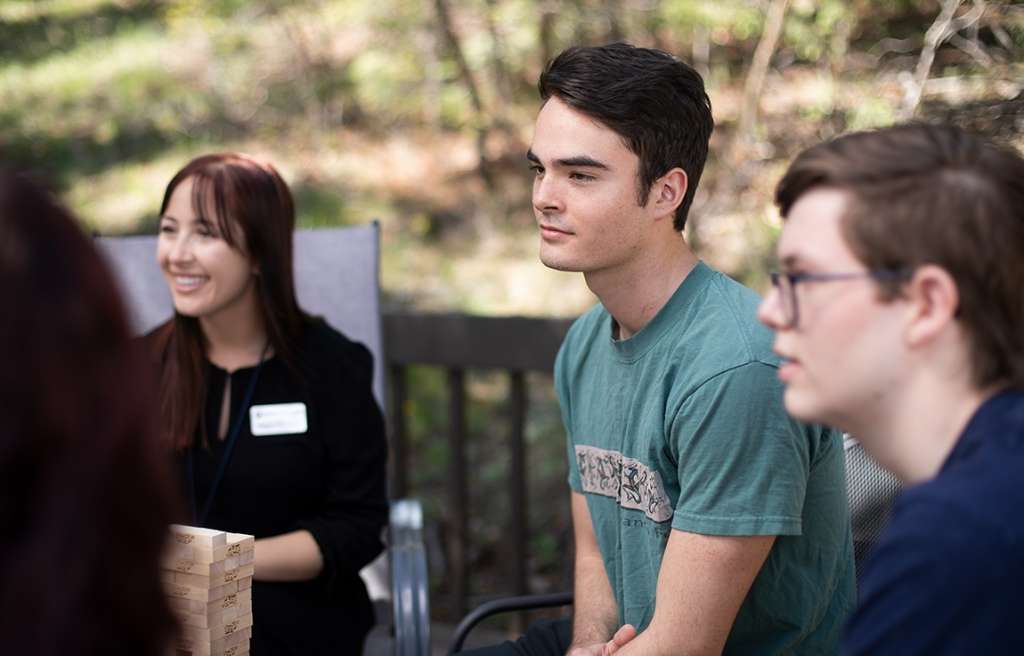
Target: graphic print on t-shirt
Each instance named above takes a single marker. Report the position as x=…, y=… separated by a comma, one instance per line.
x=630, y=482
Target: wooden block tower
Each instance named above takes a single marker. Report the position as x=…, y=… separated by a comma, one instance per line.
x=208, y=577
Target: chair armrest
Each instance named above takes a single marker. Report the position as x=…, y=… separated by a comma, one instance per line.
x=504, y=605
x=408, y=560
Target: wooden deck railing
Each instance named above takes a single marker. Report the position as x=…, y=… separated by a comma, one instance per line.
x=457, y=343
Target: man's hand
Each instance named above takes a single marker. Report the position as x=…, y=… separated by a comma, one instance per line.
x=625, y=633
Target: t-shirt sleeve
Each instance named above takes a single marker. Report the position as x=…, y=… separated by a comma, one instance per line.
x=742, y=462
x=348, y=528
x=564, y=406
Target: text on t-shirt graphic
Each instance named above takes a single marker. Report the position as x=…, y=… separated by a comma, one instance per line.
x=627, y=480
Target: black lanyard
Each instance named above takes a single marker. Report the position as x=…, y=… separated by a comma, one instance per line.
x=200, y=519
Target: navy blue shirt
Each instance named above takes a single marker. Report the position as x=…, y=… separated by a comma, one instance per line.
x=947, y=575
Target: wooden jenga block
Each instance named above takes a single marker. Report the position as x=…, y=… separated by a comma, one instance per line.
x=242, y=572
x=234, y=600
x=201, y=620
x=193, y=581
x=218, y=647
x=239, y=543
x=244, y=558
x=198, y=537
x=200, y=594
x=211, y=613
x=238, y=650
x=216, y=580
x=193, y=567
x=218, y=631
x=196, y=554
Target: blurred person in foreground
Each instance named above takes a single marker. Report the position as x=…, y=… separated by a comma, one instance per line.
x=270, y=410
x=706, y=519
x=899, y=312
x=86, y=493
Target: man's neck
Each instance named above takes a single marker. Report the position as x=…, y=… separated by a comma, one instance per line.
x=635, y=292
x=917, y=427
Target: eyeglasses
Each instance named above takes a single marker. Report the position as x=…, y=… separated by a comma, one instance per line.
x=786, y=284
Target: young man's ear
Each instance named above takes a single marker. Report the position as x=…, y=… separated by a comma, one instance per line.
x=668, y=192
x=933, y=299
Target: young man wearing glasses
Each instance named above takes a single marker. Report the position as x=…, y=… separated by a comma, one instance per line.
x=900, y=316
x=705, y=518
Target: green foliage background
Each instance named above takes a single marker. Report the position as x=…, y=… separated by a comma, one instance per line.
x=372, y=109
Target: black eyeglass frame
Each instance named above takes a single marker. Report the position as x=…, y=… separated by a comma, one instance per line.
x=785, y=283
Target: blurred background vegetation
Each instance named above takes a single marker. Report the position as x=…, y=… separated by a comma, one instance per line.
x=418, y=113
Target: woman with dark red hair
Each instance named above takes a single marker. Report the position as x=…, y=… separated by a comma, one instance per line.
x=271, y=409
x=86, y=489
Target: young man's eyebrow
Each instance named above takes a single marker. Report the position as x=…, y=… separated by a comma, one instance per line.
x=798, y=261
x=567, y=162
x=583, y=161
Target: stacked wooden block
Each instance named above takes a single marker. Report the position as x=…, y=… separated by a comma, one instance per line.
x=208, y=578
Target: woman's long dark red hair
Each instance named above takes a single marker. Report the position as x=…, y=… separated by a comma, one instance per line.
x=87, y=489
x=247, y=196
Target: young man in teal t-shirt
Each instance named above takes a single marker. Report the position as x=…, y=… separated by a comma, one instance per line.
x=706, y=520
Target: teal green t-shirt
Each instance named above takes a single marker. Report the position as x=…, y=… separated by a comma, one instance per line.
x=682, y=427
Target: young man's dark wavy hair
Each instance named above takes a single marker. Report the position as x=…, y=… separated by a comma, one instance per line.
x=934, y=194
x=654, y=101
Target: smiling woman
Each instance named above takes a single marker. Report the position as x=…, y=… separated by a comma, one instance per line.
x=270, y=410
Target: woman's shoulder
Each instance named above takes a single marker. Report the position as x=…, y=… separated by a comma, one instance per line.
x=322, y=344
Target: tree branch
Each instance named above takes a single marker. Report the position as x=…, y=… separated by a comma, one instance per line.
x=466, y=74
x=759, y=66
x=933, y=38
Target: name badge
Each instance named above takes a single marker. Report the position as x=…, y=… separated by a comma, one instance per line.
x=277, y=419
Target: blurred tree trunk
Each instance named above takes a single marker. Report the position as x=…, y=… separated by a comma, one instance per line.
x=305, y=69
x=546, y=30
x=739, y=158
x=498, y=69
x=429, y=46
x=839, y=42
x=615, y=31
x=581, y=35
x=758, y=70
x=653, y=25
x=480, y=119
x=701, y=50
